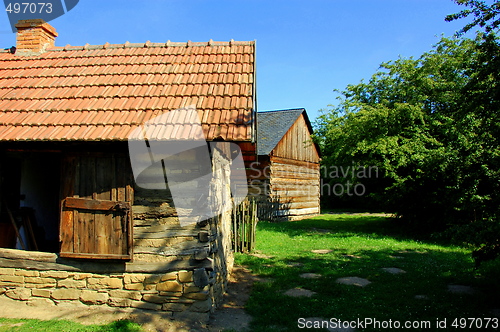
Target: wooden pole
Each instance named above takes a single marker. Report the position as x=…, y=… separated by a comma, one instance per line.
x=15, y=226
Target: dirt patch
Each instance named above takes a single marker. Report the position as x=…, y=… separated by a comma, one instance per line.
x=230, y=315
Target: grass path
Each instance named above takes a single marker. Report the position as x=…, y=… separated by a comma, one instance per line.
x=361, y=246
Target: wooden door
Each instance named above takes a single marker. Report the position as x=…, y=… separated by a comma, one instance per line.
x=96, y=207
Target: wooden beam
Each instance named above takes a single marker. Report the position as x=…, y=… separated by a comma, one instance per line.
x=93, y=204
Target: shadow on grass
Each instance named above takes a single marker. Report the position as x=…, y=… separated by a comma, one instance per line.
x=420, y=293
x=346, y=225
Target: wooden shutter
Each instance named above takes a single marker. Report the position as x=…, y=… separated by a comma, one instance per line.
x=96, y=213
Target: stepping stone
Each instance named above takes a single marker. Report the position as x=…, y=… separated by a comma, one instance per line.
x=393, y=270
x=356, y=281
x=396, y=257
x=321, y=251
x=421, y=297
x=294, y=264
x=310, y=275
x=461, y=289
x=299, y=292
x=351, y=256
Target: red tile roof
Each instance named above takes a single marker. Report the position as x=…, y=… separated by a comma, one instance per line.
x=102, y=92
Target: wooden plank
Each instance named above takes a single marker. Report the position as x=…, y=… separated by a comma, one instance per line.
x=120, y=238
x=287, y=161
x=297, y=144
x=101, y=191
x=92, y=204
x=94, y=256
x=66, y=227
x=27, y=255
x=126, y=168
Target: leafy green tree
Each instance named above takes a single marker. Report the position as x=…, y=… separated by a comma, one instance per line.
x=485, y=16
x=432, y=125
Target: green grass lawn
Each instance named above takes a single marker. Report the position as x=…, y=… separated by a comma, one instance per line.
x=24, y=325
x=373, y=243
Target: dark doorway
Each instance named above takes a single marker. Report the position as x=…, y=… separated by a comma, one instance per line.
x=30, y=186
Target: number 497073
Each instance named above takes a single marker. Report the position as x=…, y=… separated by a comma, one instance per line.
x=29, y=7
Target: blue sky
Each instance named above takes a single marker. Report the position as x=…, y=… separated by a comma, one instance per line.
x=305, y=48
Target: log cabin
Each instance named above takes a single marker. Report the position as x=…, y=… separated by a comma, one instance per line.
x=74, y=225
x=285, y=177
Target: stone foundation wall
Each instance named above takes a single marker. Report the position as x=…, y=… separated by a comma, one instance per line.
x=173, y=292
x=178, y=269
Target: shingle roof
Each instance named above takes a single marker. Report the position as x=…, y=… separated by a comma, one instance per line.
x=272, y=126
x=102, y=92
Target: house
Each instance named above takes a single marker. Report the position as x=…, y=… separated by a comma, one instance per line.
x=94, y=236
x=286, y=175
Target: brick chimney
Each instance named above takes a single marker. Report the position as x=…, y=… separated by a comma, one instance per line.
x=34, y=37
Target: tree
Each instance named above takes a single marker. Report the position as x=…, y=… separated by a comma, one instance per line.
x=484, y=15
x=432, y=125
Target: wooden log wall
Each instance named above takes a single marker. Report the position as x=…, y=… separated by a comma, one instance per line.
x=295, y=185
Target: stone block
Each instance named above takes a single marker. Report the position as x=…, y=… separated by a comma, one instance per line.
x=41, y=292
x=185, y=276
x=27, y=273
x=38, y=286
x=11, y=284
x=145, y=305
x=71, y=283
x=12, y=278
x=119, y=302
x=154, y=298
x=134, y=278
x=169, y=286
x=2, y=291
x=134, y=286
x=152, y=279
x=179, y=300
x=107, y=282
x=66, y=294
x=133, y=295
x=174, y=307
x=171, y=294
x=19, y=294
x=169, y=276
x=7, y=271
x=39, y=280
x=150, y=287
x=54, y=274
x=191, y=289
x=201, y=306
x=82, y=276
x=197, y=296
x=93, y=297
